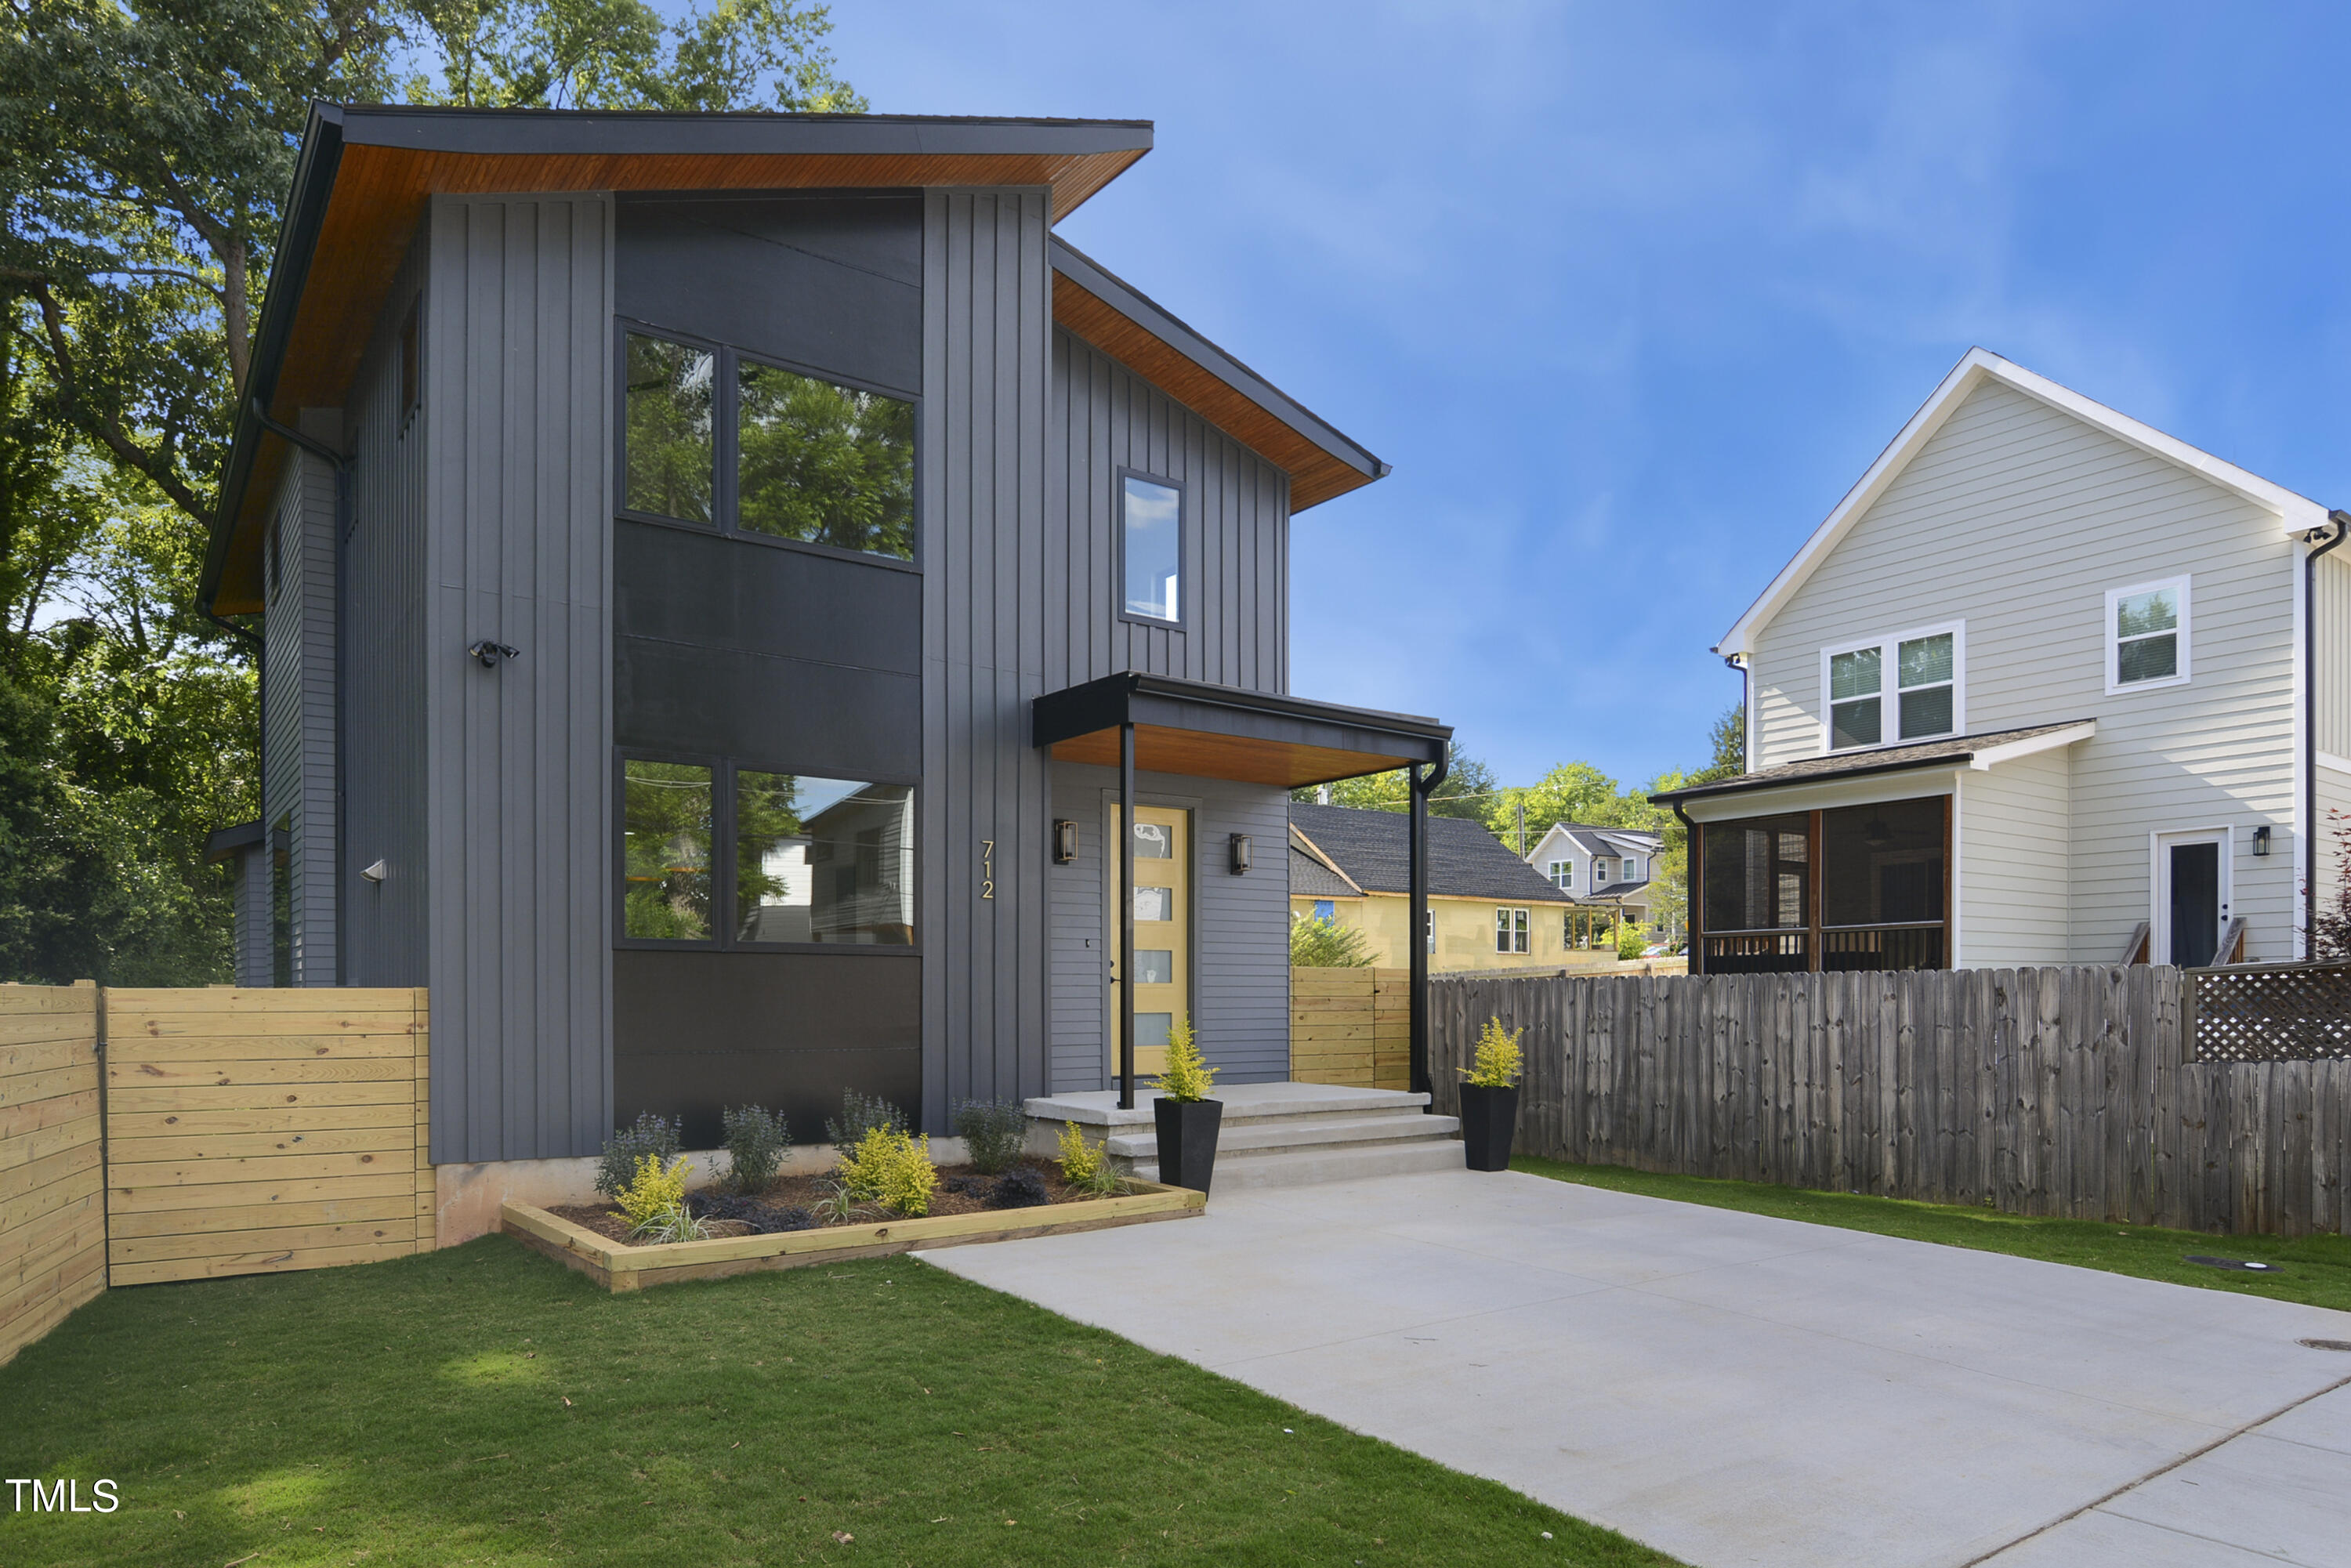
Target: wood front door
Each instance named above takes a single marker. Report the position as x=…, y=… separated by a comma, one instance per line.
x=1162, y=929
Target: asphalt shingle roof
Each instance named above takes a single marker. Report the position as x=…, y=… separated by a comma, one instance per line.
x=1872, y=759
x=1464, y=861
x=1309, y=878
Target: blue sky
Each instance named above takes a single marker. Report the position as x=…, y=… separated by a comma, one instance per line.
x=1630, y=294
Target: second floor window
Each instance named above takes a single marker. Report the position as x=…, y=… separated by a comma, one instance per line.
x=1151, y=532
x=2146, y=635
x=1892, y=690
x=1512, y=929
x=1563, y=874
x=1632, y=870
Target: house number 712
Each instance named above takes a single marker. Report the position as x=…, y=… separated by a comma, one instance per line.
x=988, y=868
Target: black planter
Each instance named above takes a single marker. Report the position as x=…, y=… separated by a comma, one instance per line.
x=1187, y=1140
x=1489, y=1118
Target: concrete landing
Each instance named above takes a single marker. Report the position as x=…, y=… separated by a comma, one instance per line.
x=1273, y=1135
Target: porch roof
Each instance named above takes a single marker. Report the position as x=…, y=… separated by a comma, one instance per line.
x=1223, y=732
x=1978, y=751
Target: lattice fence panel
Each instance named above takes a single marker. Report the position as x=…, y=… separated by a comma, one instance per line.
x=2273, y=1012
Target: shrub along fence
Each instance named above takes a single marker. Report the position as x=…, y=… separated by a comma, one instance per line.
x=148, y=1135
x=2075, y=1092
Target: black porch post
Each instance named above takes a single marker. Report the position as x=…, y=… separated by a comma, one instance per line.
x=1417, y=877
x=1126, y=917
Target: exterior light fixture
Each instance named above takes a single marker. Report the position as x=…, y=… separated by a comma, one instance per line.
x=1065, y=841
x=2262, y=839
x=489, y=652
x=1240, y=844
x=374, y=873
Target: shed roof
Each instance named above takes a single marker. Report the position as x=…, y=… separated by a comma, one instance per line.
x=1464, y=861
x=1981, y=751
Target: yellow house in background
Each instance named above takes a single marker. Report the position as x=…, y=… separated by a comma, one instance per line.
x=1488, y=909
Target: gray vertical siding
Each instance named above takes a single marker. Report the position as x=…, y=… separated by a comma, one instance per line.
x=298, y=652
x=252, y=894
x=1236, y=535
x=987, y=325
x=517, y=548
x=383, y=618
x=1241, y=925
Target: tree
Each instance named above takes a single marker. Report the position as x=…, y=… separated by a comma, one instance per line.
x=1316, y=944
x=2331, y=931
x=1669, y=877
x=1570, y=793
x=1468, y=784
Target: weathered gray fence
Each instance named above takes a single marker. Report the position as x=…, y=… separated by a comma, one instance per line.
x=2045, y=1092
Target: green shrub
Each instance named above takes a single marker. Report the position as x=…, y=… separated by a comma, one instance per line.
x=648, y=1134
x=1496, y=1065
x=892, y=1169
x=654, y=1202
x=1327, y=945
x=993, y=1132
x=756, y=1142
x=1187, y=1078
x=860, y=1115
x=1085, y=1165
x=1630, y=943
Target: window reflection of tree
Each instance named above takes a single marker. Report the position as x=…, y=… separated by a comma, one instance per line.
x=824, y=463
x=666, y=851
x=669, y=459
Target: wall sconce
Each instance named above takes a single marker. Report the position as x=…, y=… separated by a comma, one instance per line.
x=1240, y=846
x=1065, y=841
x=2262, y=839
x=374, y=873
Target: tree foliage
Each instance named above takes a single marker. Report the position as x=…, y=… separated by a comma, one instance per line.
x=1467, y=784
x=150, y=152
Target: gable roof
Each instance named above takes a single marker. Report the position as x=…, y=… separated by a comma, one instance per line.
x=1464, y=861
x=1591, y=840
x=1312, y=877
x=2295, y=513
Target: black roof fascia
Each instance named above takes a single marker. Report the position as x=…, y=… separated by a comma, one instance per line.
x=1131, y=696
x=1165, y=325
x=298, y=244
x=664, y=133
x=223, y=842
x=1745, y=785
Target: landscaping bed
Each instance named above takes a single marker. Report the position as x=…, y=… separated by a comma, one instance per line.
x=793, y=1202
x=594, y=1237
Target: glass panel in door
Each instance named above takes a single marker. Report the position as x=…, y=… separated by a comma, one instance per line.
x=2193, y=902
x=1162, y=957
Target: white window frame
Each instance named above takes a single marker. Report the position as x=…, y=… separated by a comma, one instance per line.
x=1563, y=875
x=1513, y=930
x=2115, y=686
x=1889, y=688
x=1632, y=869
x=1428, y=924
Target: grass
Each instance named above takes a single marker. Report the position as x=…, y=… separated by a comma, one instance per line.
x=483, y=1406
x=2315, y=1270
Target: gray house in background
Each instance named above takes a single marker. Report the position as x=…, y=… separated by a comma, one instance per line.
x=707, y=567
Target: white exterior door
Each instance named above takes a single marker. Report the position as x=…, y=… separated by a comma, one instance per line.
x=2191, y=897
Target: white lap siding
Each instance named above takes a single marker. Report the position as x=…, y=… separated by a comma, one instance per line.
x=2017, y=518
x=2013, y=839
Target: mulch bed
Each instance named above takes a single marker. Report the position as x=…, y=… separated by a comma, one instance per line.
x=789, y=1202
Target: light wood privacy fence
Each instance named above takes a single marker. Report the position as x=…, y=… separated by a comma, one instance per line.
x=1351, y=1026
x=52, y=1221
x=148, y=1135
x=2042, y=1091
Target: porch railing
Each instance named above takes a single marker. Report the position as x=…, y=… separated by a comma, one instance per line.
x=1770, y=952
x=1901, y=945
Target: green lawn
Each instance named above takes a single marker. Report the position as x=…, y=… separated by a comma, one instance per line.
x=484, y=1405
x=2314, y=1270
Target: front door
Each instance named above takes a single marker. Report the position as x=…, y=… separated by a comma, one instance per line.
x=1163, y=924
x=2191, y=897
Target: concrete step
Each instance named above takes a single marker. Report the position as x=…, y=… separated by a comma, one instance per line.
x=1268, y=1134
x=1303, y=1167
x=1098, y=1110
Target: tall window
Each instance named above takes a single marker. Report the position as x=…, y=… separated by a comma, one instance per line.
x=1894, y=689
x=733, y=857
x=1631, y=869
x=1150, y=525
x=1599, y=873
x=2146, y=635
x=1512, y=928
x=802, y=458
x=1563, y=874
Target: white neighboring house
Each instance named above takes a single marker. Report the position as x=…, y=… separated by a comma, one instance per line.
x=1602, y=868
x=2048, y=686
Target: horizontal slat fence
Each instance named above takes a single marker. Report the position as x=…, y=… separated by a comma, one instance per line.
x=264, y=1130
x=2038, y=1092
x=52, y=1214
x=1351, y=1027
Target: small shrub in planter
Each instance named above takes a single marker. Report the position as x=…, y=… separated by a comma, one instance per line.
x=655, y=1203
x=1019, y=1188
x=892, y=1169
x=860, y=1115
x=647, y=1135
x=1490, y=1098
x=756, y=1142
x=1087, y=1167
x=1186, y=1120
x=992, y=1132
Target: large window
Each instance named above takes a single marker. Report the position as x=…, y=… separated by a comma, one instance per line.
x=1894, y=689
x=723, y=856
x=710, y=436
x=1151, y=529
x=2146, y=635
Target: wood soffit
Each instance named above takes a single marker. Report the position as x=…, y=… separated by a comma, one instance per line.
x=380, y=196
x=1200, y=755
x=1315, y=475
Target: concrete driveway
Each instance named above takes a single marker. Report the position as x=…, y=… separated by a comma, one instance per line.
x=1737, y=1390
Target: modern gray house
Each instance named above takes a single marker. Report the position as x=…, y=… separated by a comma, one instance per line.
x=738, y=596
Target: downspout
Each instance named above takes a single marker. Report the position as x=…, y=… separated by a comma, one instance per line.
x=1416, y=919
x=2341, y=523
x=1696, y=954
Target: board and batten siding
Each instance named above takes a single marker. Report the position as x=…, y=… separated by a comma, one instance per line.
x=1240, y=925
x=1235, y=565
x=517, y=549
x=2017, y=518
x=384, y=625
x=298, y=654
x=2013, y=825
x=981, y=483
